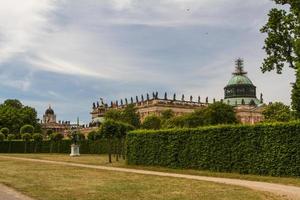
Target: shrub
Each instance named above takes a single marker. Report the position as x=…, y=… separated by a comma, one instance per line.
x=26, y=137
x=27, y=129
x=37, y=137
x=92, y=135
x=264, y=149
x=10, y=137
x=151, y=122
x=2, y=137
x=86, y=147
x=5, y=131
x=49, y=132
x=56, y=137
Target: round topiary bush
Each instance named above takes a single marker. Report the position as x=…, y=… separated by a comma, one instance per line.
x=37, y=137
x=5, y=131
x=2, y=137
x=26, y=137
x=27, y=129
x=56, y=137
x=10, y=137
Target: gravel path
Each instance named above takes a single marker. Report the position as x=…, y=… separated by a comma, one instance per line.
x=7, y=193
x=285, y=191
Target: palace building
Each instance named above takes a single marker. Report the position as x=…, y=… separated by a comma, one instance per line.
x=239, y=93
x=49, y=122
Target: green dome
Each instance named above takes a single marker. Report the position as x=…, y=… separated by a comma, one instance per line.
x=239, y=79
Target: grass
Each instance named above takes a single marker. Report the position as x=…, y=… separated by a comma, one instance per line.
x=56, y=182
x=103, y=160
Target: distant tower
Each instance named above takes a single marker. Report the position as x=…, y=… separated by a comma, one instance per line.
x=49, y=116
x=239, y=89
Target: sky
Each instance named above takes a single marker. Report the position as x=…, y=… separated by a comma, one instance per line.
x=70, y=53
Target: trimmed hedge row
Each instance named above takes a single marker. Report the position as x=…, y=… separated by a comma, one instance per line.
x=47, y=146
x=265, y=149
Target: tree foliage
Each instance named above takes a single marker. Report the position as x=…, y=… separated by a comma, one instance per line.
x=220, y=113
x=37, y=137
x=216, y=113
x=14, y=115
x=277, y=112
x=10, y=137
x=128, y=115
x=56, y=137
x=5, y=131
x=26, y=137
x=282, y=44
x=151, y=122
x=2, y=137
x=27, y=129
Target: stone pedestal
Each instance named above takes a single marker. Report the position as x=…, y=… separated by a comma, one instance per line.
x=74, y=150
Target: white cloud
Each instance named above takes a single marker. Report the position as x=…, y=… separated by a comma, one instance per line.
x=20, y=22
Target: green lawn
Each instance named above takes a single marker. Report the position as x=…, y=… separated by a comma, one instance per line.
x=103, y=160
x=57, y=182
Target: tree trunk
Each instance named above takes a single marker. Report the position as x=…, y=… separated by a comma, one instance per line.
x=117, y=150
x=51, y=146
x=58, y=146
x=109, y=150
x=9, y=147
x=25, y=147
x=35, y=147
x=123, y=148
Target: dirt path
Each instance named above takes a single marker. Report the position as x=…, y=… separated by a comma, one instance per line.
x=285, y=191
x=7, y=193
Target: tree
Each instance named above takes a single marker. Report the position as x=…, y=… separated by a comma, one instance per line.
x=167, y=114
x=10, y=137
x=113, y=114
x=92, y=135
x=49, y=132
x=282, y=44
x=151, y=122
x=2, y=137
x=130, y=116
x=277, y=112
x=37, y=138
x=220, y=113
x=26, y=137
x=27, y=129
x=109, y=129
x=56, y=137
x=14, y=115
x=5, y=131
x=124, y=128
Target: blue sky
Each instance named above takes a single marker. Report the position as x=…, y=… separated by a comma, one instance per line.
x=69, y=53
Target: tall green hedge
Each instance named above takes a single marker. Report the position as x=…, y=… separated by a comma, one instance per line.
x=265, y=149
x=86, y=147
